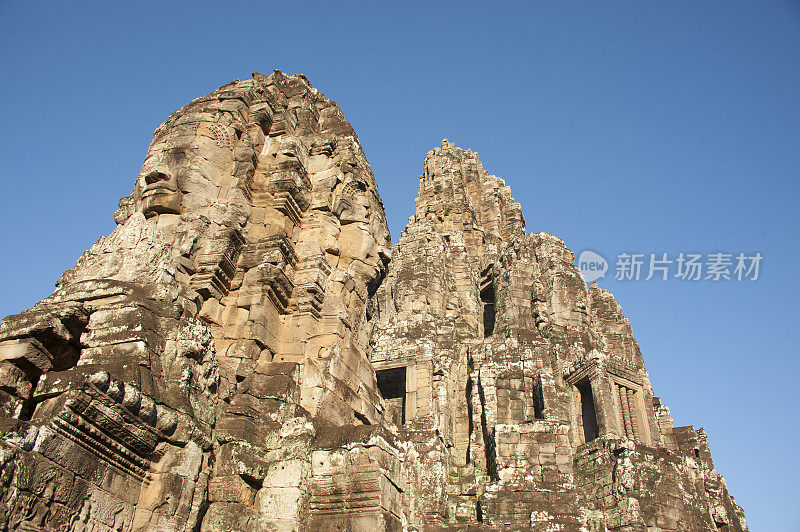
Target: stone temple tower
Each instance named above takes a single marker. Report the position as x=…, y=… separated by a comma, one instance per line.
x=488, y=337
x=246, y=353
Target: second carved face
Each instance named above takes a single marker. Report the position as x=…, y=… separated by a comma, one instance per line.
x=186, y=166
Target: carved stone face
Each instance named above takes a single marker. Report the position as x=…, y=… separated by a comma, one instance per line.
x=186, y=162
x=159, y=182
x=290, y=153
x=352, y=203
x=362, y=241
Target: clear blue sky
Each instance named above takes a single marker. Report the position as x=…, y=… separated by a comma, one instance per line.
x=652, y=127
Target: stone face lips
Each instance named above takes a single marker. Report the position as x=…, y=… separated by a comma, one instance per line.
x=244, y=352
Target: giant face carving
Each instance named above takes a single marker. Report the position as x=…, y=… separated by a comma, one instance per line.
x=187, y=164
x=359, y=212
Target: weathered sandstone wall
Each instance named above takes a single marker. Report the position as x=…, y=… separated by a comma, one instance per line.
x=245, y=352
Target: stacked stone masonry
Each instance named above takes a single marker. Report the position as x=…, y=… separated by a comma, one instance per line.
x=246, y=352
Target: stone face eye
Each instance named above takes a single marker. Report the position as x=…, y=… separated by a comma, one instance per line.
x=155, y=177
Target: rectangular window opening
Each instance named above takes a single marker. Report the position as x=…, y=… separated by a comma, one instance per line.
x=628, y=411
x=588, y=416
x=488, y=302
x=538, y=398
x=392, y=386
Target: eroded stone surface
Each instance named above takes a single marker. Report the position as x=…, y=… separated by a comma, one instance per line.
x=241, y=354
x=532, y=386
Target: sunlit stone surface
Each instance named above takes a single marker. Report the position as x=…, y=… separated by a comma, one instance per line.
x=245, y=352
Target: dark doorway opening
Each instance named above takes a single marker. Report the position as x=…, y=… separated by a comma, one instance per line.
x=392, y=385
x=588, y=416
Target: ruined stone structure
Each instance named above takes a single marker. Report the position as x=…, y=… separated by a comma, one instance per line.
x=244, y=352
